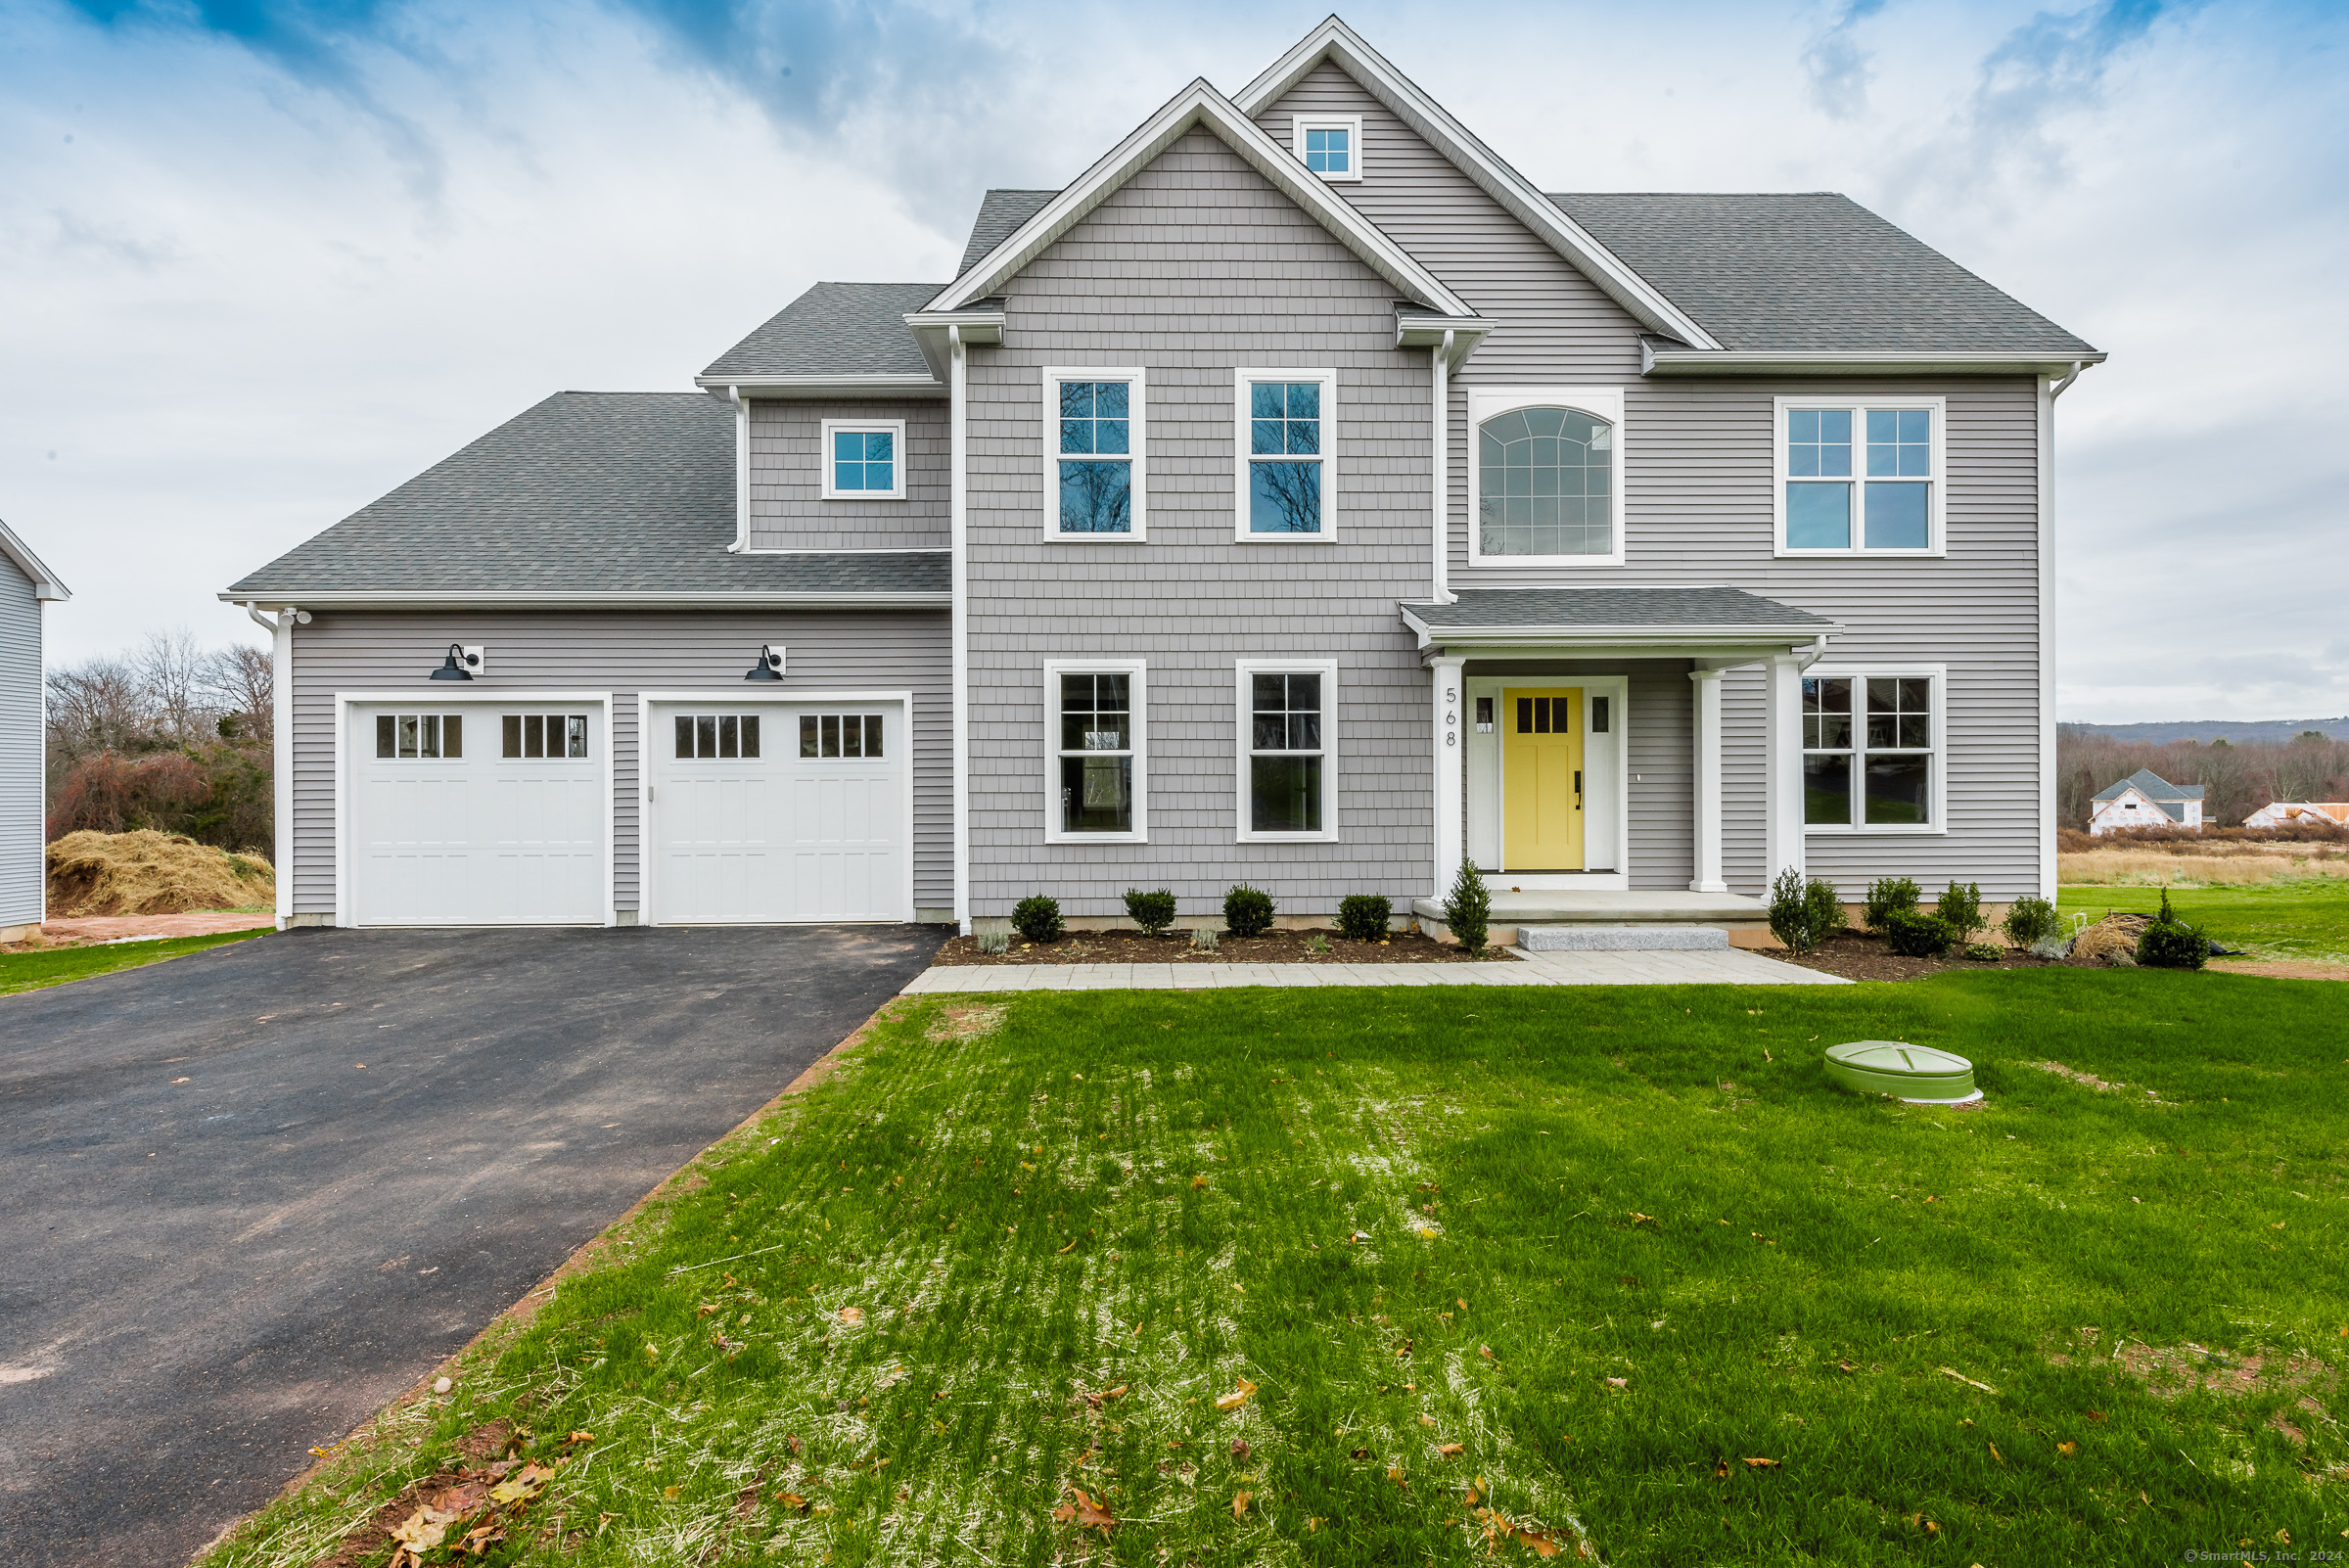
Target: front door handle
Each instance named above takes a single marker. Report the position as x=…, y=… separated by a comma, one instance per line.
x=1578, y=789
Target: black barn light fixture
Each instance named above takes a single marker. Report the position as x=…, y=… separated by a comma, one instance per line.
x=458, y=663
x=770, y=666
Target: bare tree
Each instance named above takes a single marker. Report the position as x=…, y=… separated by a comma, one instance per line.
x=240, y=684
x=177, y=675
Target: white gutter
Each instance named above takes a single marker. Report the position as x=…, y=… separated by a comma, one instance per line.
x=742, y=470
x=892, y=384
x=910, y=599
x=281, y=749
x=2050, y=389
x=1616, y=636
x=959, y=631
x=1654, y=361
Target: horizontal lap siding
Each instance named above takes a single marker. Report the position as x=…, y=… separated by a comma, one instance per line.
x=624, y=655
x=788, y=509
x=22, y=868
x=1194, y=269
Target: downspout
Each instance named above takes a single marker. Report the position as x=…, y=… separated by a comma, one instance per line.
x=959, y=632
x=281, y=750
x=2050, y=389
x=1442, y=358
x=742, y=470
x=1818, y=651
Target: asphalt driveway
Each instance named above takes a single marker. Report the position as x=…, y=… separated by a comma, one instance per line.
x=224, y=1240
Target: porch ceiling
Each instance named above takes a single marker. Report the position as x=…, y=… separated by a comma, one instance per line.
x=1693, y=623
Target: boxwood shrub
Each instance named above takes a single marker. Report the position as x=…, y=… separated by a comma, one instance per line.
x=1363, y=916
x=1037, y=918
x=1152, y=912
x=1248, y=912
x=1912, y=934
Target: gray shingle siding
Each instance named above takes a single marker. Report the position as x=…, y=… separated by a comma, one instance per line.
x=834, y=328
x=623, y=655
x=788, y=509
x=22, y=868
x=1196, y=268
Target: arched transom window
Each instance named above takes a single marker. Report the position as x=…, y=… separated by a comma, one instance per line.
x=1545, y=479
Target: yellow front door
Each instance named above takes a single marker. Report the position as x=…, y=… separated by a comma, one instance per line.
x=1541, y=778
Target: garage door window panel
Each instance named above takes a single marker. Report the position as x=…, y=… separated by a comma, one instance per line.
x=533, y=736
x=702, y=737
x=418, y=736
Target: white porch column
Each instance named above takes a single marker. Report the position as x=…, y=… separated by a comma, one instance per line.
x=1705, y=689
x=1449, y=815
x=1782, y=786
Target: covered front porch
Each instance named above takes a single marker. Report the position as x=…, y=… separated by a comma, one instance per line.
x=1579, y=746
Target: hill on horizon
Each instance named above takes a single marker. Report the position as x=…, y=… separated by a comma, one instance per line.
x=2236, y=731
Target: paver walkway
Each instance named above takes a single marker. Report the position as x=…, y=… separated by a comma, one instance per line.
x=1716, y=968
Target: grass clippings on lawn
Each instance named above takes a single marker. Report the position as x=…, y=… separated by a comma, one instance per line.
x=1339, y=1278
x=1174, y=948
x=24, y=968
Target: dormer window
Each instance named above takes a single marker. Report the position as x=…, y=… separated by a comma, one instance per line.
x=1330, y=145
x=864, y=460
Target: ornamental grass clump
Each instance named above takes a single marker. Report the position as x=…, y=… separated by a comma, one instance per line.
x=1248, y=912
x=1363, y=917
x=1037, y=918
x=1886, y=898
x=1804, y=913
x=1154, y=912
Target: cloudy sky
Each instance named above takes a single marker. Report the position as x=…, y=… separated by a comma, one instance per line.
x=259, y=261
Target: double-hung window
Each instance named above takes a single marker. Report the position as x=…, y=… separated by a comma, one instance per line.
x=1285, y=419
x=1288, y=770
x=1330, y=145
x=1094, y=480
x=1860, y=476
x=864, y=459
x=1872, y=748
x=1095, y=758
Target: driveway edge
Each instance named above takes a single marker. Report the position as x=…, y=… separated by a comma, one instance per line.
x=586, y=1255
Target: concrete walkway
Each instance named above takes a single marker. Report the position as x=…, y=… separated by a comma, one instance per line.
x=1732, y=967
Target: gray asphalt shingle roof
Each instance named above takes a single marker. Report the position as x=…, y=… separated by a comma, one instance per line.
x=999, y=212
x=2153, y=787
x=834, y=329
x=1642, y=607
x=587, y=492
x=1813, y=271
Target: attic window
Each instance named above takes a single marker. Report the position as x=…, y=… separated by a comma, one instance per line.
x=864, y=460
x=1330, y=145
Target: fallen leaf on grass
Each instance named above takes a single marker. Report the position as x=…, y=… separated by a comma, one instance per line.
x=1639, y=1219
x=1240, y=1449
x=1097, y=1400
x=1996, y=1455
x=1427, y=1420
x=851, y=1315
x=424, y=1530
x=1449, y=1451
x=671, y=1492
x=1395, y=1474
x=1619, y=1382
x=1237, y=1397
x=2067, y=1450
x=580, y=1437
x=1485, y=1350
x=792, y=1500
x=1721, y=1469
x=1762, y=1464
x=791, y=1441
x=522, y=1488
x=1239, y=1503
x=2094, y=1415
x=1197, y=1182
x=1088, y=1514
x=1357, y=1454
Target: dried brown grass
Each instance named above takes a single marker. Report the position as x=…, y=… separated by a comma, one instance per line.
x=2148, y=868
x=147, y=873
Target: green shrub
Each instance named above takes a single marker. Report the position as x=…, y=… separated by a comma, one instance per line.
x=1152, y=912
x=1363, y=916
x=1468, y=908
x=1960, y=909
x=2169, y=942
x=2032, y=920
x=1248, y=912
x=1886, y=897
x=1037, y=918
x=1912, y=934
x=1985, y=952
x=1803, y=914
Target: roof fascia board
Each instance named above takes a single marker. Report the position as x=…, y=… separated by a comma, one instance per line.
x=880, y=385
x=1333, y=40
x=1654, y=361
x=337, y=599
x=1199, y=104
x=935, y=331
x=1695, y=641
x=45, y=582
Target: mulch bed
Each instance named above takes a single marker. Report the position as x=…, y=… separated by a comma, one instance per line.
x=1854, y=955
x=1273, y=947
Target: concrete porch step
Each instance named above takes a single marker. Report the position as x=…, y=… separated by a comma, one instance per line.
x=1622, y=939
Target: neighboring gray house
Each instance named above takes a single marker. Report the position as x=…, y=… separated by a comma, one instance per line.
x=1298, y=496
x=26, y=586
x=2145, y=798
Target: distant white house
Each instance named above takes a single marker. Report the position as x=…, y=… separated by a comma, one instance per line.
x=25, y=587
x=2145, y=798
x=2282, y=814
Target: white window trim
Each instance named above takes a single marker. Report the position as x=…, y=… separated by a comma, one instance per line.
x=1138, y=697
x=1136, y=438
x=1485, y=402
x=1243, y=735
x=1328, y=380
x=1938, y=489
x=1351, y=124
x=863, y=427
x=1938, y=674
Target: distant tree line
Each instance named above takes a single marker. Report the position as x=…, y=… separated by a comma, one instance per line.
x=167, y=735
x=2236, y=779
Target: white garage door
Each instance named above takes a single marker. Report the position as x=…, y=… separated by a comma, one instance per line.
x=764, y=813
x=477, y=814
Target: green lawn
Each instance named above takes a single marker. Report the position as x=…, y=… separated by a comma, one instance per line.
x=31, y=970
x=1614, y=1244
x=2305, y=917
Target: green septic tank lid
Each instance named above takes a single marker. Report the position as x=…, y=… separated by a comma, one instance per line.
x=1916, y=1073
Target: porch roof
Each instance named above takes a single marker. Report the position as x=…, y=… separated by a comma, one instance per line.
x=1696, y=619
